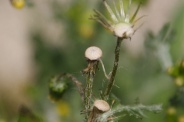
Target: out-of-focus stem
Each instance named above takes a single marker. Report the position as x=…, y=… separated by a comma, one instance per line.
x=115, y=67
x=78, y=84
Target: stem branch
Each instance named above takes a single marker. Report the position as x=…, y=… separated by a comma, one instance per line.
x=77, y=83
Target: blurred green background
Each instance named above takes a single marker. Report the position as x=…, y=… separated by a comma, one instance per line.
x=51, y=36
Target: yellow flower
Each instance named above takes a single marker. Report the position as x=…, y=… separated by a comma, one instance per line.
x=120, y=23
x=19, y=4
x=181, y=119
x=179, y=81
x=171, y=110
x=63, y=108
x=86, y=30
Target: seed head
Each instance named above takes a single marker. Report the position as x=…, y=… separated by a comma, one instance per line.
x=120, y=23
x=102, y=105
x=93, y=53
x=123, y=30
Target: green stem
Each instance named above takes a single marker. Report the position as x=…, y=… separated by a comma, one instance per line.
x=90, y=73
x=88, y=92
x=115, y=67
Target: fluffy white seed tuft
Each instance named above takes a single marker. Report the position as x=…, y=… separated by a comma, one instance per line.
x=123, y=30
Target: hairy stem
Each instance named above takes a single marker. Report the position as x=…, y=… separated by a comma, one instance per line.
x=115, y=67
x=88, y=92
x=90, y=73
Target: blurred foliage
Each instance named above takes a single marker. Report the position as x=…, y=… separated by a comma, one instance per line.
x=175, y=110
x=144, y=76
x=26, y=115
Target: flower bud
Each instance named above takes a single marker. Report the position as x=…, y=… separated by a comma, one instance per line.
x=57, y=87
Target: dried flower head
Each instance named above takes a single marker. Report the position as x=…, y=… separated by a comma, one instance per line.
x=101, y=105
x=93, y=53
x=121, y=24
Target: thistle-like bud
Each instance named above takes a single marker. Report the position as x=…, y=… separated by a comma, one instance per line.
x=57, y=87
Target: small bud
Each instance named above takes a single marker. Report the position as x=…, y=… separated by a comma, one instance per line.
x=57, y=87
x=101, y=105
x=93, y=53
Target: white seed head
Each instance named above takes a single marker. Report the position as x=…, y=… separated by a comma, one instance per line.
x=102, y=105
x=123, y=30
x=93, y=53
